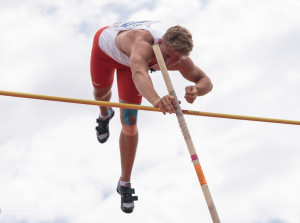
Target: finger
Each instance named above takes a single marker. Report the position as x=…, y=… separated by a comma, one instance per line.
x=168, y=104
x=190, y=99
x=192, y=90
x=173, y=101
x=191, y=93
x=158, y=104
x=162, y=108
x=189, y=96
x=165, y=104
x=189, y=88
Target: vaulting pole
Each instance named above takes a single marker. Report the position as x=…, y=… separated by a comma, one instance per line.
x=187, y=137
x=145, y=108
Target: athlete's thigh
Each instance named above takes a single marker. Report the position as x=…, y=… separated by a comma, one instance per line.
x=126, y=87
x=102, y=76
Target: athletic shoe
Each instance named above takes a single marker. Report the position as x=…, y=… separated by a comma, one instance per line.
x=103, y=127
x=127, y=200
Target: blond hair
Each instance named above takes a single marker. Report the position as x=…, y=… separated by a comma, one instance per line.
x=179, y=38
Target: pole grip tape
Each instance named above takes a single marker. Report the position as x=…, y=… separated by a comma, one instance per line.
x=194, y=157
x=200, y=174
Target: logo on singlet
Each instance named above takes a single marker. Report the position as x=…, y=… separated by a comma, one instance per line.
x=132, y=25
x=136, y=24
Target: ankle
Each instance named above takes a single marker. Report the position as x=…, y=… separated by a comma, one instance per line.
x=104, y=115
x=123, y=183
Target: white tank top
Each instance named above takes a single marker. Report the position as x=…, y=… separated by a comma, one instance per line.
x=108, y=36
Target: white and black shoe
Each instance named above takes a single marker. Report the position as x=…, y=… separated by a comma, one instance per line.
x=127, y=200
x=103, y=126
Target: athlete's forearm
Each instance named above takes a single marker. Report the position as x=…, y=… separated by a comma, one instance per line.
x=204, y=86
x=145, y=86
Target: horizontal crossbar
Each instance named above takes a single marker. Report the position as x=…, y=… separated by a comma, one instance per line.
x=145, y=108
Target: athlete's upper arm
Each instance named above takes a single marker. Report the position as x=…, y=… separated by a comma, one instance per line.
x=141, y=54
x=189, y=70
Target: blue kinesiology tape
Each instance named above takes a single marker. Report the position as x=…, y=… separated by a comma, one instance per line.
x=128, y=113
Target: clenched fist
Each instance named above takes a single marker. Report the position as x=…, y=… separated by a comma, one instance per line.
x=191, y=94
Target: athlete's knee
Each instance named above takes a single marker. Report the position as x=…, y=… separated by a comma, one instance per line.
x=129, y=130
x=129, y=116
x=101, y=93
x=129, y=119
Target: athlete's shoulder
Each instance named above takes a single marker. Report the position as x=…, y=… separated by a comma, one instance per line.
x=135, y=36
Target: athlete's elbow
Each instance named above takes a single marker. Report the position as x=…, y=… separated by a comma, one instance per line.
x=209, y=84
x=210, y=87
x=137, y=75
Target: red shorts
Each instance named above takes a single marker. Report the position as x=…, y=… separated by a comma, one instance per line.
x=102, y=71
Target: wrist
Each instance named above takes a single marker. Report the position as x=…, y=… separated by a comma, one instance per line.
x=199, y=90
x=154, y=100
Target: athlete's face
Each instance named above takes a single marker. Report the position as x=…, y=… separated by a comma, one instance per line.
x=171, y=57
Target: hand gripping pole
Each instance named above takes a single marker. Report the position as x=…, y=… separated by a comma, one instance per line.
x=187, y=137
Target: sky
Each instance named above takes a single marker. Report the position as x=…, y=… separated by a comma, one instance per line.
x=53, y=169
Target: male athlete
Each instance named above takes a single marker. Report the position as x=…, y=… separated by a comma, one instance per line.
x=127, y=48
